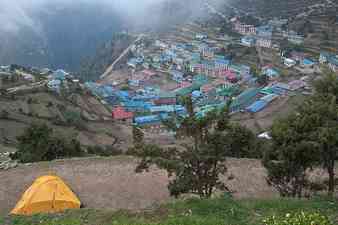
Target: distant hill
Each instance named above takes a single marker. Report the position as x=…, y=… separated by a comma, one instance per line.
x=92, y=67
x=285, y=8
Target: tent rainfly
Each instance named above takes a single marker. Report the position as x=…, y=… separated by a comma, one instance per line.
x=48, y=194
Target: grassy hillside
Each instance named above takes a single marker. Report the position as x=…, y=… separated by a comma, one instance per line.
x=75, y=115
x=190, y=212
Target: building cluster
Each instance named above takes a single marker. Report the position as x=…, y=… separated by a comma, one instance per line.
x=264, y=36
x=298, y=58
x=200, y=69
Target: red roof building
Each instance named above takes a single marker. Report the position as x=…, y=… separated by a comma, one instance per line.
x=119, y=113
x=207, y=88
x=231, y=76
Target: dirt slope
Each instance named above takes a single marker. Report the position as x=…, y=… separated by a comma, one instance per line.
x=111, y=182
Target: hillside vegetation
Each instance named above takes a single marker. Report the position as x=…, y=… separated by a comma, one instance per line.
x=190, y=212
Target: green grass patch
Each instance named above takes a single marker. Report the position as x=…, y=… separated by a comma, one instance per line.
x=220, y=211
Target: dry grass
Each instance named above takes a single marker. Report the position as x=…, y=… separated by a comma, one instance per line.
x=111, y=183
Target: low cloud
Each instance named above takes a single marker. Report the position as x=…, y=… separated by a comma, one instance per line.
x=18, y=14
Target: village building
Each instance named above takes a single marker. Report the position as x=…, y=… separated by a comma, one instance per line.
x=296, y=85
x=161, y=44
x=333, y=64
x=222, y=64
x=177, y=76
x=231, y=76
x=134, y=62
x=297, y=56
x=5, y=69
x=201, y=37
x=264, y=31
x=289, y=62
x=264, y=42
x=245, y=70
x=295, y=38
x=270, y=72
x=208, y=53
x=244, y=29
x=264, y=37
x=278, y=23
x=59, y=75
x=139, y=78
x=119, y=113
x=208, y=89
x=166, y=98
x=54, y=85
x=147, y=120
x=324, y=57
x=330, y=59
x=166, y=109
x=248, y=41
x=307, y=63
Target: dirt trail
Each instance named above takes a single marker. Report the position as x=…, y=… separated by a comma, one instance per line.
x=111, y=182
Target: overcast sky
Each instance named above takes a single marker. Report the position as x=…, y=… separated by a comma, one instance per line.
x=17, y=13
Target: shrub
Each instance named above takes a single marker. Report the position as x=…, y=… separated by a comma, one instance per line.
x=103, y=151
x=74, y=119
x=38, y=143
x=4, y=114
x=50, y=104
x=302, y=218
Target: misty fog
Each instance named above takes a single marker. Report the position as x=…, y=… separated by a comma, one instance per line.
x=60, y=32
x=17, y=14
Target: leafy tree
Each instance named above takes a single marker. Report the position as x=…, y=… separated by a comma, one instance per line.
x=325, y=106
x=242, y=142
x=37, y=143
x=291, y=156
x=196, y=168
x=254, y=70
x=305, y=139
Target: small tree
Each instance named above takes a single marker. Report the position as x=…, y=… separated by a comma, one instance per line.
x=242, y=142
x=4, y=114
x=38, y=143
x=197, y=167
x=138, y=137
x=325, y=106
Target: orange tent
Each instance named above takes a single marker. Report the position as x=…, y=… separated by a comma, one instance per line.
x=48, y=194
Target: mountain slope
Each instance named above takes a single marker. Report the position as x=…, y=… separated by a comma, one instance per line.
x=65, y=36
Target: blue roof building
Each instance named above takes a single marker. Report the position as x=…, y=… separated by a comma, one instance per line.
x=147, y=120
x=167, y=109
x=54, y=85
x=222, y=63
x=248, y=41
x=177, y=76
x=257, y=106
x=308, y=62
x=59, y=75
x=137, y=105
x=271, y=73
x=264, y=31
x=331, y=59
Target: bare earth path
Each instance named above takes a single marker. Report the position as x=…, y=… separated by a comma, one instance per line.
x=111, y=182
